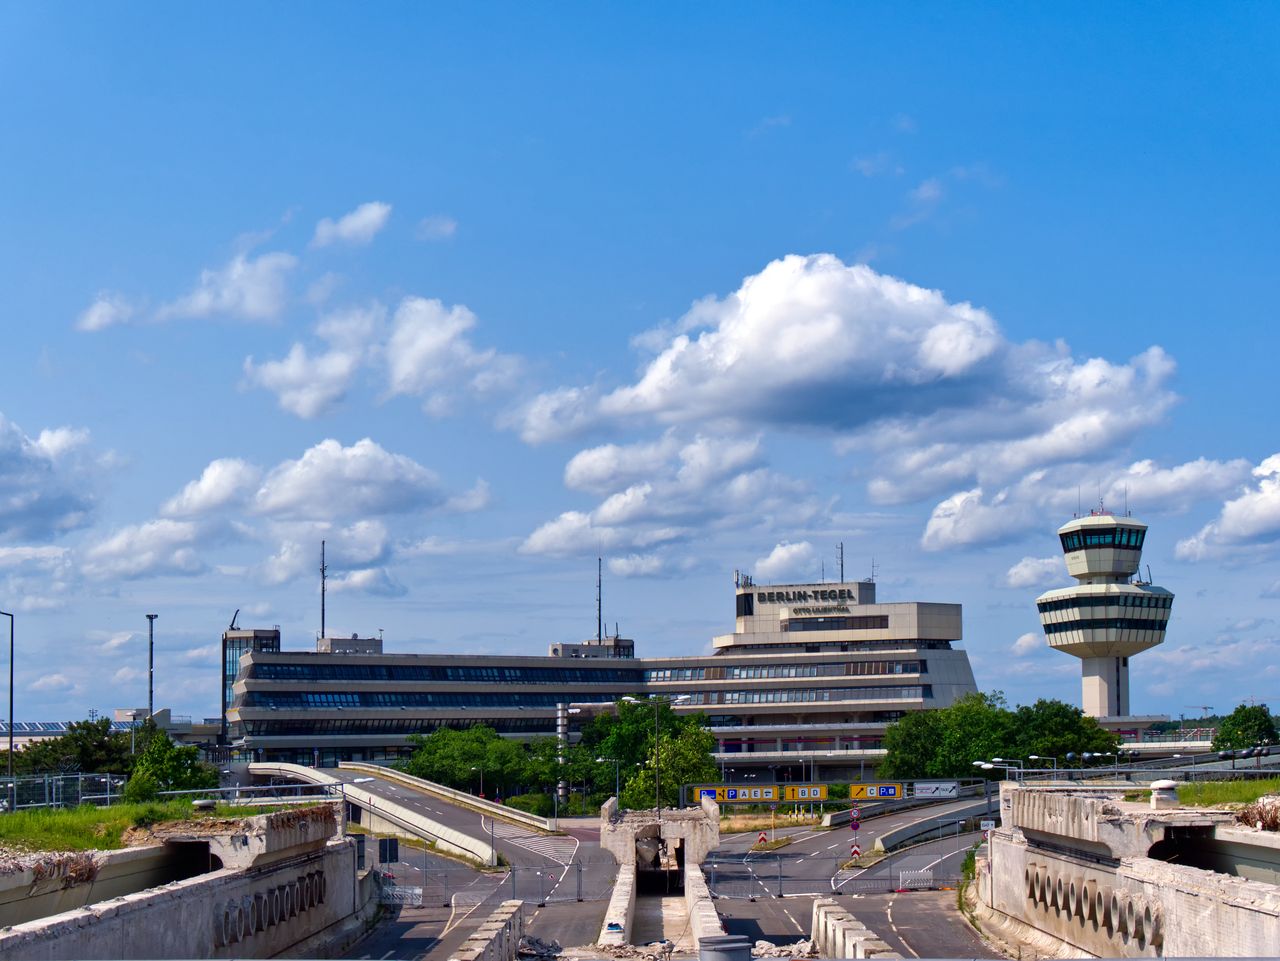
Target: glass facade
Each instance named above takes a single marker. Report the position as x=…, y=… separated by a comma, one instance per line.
x=1108, y=623
x=1145, y=601
x=313, y=700
x=865, y=622
x=914, y=692
x=1125, y=538
x=327, y=671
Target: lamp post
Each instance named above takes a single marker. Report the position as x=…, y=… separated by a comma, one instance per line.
x=617, y=780
x=657, y=777
x=151, y=665
x=1038, y=757
x=12, y=793
x=481, y=770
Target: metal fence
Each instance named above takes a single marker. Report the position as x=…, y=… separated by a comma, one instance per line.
x=773, y=877
x=406, y=884
x=61, y=790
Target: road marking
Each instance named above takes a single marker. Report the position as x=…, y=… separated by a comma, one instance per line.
x=794, y=921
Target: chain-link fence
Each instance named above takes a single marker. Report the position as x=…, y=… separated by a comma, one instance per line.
x=780, y=877
x=60, y=790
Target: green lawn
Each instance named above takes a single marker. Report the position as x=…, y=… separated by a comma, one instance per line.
x=89, y=828
x=1212, y=793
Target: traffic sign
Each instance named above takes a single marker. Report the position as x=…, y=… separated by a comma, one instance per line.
x=854, y=850
x=879, y=792
x=987, y=825
x=855, y=824
x=936, y=789
x=762, y=839
x=740, y=793
x=804, y=792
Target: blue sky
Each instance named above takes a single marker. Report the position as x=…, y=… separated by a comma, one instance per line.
x=477, y=294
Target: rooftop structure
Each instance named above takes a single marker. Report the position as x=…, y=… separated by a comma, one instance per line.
x=1110, y=614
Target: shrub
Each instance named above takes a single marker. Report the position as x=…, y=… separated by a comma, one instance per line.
x=142, y=787
x=539, y=804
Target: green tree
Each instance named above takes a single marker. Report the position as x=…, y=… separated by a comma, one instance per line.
x=164, y=766
x=456, y=758
x=684, y=757
x=1051, y=728
x=1247, y=726
x=89, y=746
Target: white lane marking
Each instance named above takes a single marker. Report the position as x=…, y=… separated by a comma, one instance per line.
x=794, y=921
x=558, y=848
x=457, y=901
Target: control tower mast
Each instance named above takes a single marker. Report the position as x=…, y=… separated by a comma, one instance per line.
x=1111, y=614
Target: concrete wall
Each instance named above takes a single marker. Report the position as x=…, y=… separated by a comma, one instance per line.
x=704, y=921
x=618, y=916
x=1074, y=869
x=387, y=817
x=460, y=798
x=225, y=914
x=835, y=933
x=926, y=826
x=497, y=937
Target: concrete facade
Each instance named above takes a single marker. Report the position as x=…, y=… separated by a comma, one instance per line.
x=1087, y=874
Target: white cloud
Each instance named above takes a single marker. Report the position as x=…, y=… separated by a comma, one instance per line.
x=469, y=501
x=785, y=562
x=1250, y=520
x=436, y=227
x=248, y=288
x=431, y=546
x=225, y=481
x=1035, y=572
x=39, y=557
x=43, y=490
x=157, y=547
x=429, y=353
x=52, y=682
x=555, y=414
x=636, y=565
x=305, y=385
x=601, y=469
x=330, y=480
x=356, y=228
x=965, y=519
x=114, y=641
x=1029, y=643
x=375, y=581
x=107, y=310
x=126, y=675
x=873, y=165
x=571, y=533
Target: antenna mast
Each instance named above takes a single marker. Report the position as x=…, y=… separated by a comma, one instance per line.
x=323, y=572
x=599, y=618
x=841, y=562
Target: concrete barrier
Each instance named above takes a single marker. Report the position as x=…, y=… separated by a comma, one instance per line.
x=497, y=938
x=460, y=798
x=898, y=837
x=616, y=928
x=314, y=900
x=836, y=933
x=388, y=815
x=704, y=920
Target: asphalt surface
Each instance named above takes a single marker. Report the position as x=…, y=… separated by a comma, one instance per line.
x=548, y=872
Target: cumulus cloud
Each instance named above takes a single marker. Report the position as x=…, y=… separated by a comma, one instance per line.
x=330, y=480
x=52, y=682
x=375, y=580
x=107, y=310
x=636, y=565
x=1251, y=520
x=965, y=519
x=785, y=562
x=159, y=547
x=42, y=490
x=356, y=228
x=225, y=481
x=605, y=468
x=1028, y=643
x=1035, y=572
x=429, y=353
x=250, y=288
x=555, y=414
x=436, y=227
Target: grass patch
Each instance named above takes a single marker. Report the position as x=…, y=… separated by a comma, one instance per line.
x=89, y=828
x=737, y=823
x=772, y=845
x=1214, y=793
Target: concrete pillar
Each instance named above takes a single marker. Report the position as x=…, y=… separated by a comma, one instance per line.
x=1104, y=686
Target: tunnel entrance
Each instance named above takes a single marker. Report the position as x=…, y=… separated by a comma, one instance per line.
x=659, y=864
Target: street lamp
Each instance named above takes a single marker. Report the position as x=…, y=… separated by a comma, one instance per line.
x=481, y=770
x=1038, y=757
x=151, y=665
x=12, y=799
x=617, y=781
x=657, y=783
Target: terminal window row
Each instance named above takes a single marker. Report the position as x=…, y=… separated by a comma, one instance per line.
x=752, y=671
x=866, y=622
x=1126, y=538
x=912, y=692
x=309, y=700
x=1156, y=601
x=269, y=671
x=354, y=726
x=1107, y=623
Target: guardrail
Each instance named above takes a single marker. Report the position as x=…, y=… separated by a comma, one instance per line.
x=399, y=817
x=460, y=798
x=909, y=832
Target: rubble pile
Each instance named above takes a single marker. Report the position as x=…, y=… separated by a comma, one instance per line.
x=767, y=949
x=534, y=947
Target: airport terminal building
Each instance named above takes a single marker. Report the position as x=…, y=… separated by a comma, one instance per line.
x=813, y=673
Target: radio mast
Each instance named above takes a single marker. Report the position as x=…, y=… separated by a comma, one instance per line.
x=323, y=571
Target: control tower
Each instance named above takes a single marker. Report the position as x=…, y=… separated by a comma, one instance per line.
x=1111, y=614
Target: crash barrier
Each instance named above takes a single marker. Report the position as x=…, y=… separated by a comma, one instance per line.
x=835, y=933
x=497, y=938
x=875, y=809
x=704, y=922
x=460, y=798
x=937, y=825
x=618, y=916
x=385, y=814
